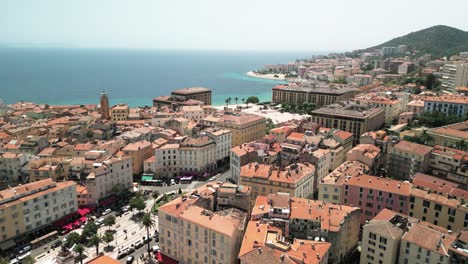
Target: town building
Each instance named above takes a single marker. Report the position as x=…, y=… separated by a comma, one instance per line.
x=388, y=51
x=391, y=237
x=367, y=154
x=263, y=179
x=372, y=194
x=12, y=166
x=406, y=158
x=109, y=177
x=119, y=112
x=244, y=127
x=223, y=140
x=304, y=219
x=351, y=117
x=449, y=163
x=359, y=79
x=441, y=209
x=194, y=93
x=34, y=206
x=310, y=93
x=195, y=228
x=194, y=155
x=449, y=135
x=193, y=112
x=139, y=152
x=454, y=75
x=392, y=103
x=415, y=106
x=447, y=104
x=104, y=104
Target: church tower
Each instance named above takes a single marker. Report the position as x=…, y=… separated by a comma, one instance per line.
x=105, y=112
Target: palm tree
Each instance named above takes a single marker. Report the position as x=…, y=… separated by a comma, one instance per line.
x=243, y=100
x=148, y=223
x=109, y=221
x=79, y=249
x=29, y=260
x=227, y=102
x=461, y=145
x=235, y=99
x=95, y=240
x=107, y=238
x=425, y=137
x=229, y=99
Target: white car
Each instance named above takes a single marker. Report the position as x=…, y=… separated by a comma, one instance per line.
x=173, y=182
x=126, y=208
x=100, y=221
x=155, y=248
x=106, y=212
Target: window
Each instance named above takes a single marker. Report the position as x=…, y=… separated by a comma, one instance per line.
x=372, y=236
x=383, y=240
x=426, y=203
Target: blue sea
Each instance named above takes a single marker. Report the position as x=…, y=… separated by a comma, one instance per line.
x=135, y=77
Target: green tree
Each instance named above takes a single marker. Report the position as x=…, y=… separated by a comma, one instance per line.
x=89, y=230
x=79, y=249
x=430, y=81
x=4, y=261
x=253, y=100
x=426, y=138
x=29, y=260
x=227, y=102
x=243, y=100
x=137, y=203
x=72, y=238
x=107, y=238
x=94, y=241
x=148, y=223
x=109, y=221
x=235, y=99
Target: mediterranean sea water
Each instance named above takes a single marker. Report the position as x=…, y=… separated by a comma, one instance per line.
x=135, y=77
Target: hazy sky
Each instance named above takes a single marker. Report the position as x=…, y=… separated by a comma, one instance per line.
x=308, y=25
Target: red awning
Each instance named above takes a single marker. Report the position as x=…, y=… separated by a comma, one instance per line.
x=84, y=211
x=165, y=259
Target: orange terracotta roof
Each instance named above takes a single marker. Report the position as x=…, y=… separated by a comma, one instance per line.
x=411, y=147
x=428, y=237
x=255, y=170
x=140, y=145
x=343, y=134
x=331, y=215
x=104, y=260
x=380, y=184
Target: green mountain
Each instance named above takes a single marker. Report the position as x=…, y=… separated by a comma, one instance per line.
x=437, y=40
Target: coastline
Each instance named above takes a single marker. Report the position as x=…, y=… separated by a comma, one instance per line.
x=266, y=76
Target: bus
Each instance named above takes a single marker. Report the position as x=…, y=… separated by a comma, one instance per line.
x=186, y=179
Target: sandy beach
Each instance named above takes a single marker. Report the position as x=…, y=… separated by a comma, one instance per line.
x=270, y=76
x=275, y=115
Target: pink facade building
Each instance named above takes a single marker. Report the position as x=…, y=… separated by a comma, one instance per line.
x=372, y=194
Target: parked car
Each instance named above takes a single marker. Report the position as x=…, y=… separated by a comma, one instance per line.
x=126, y=208
x=106, y=212
x=56, y=244
x=138, y=244
x=24, y=250
x=122, y=255
x=130, y=259
x=129, y=250
x=155, y=248
x=100, y=221
x=146, y=240
x=173, y=182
